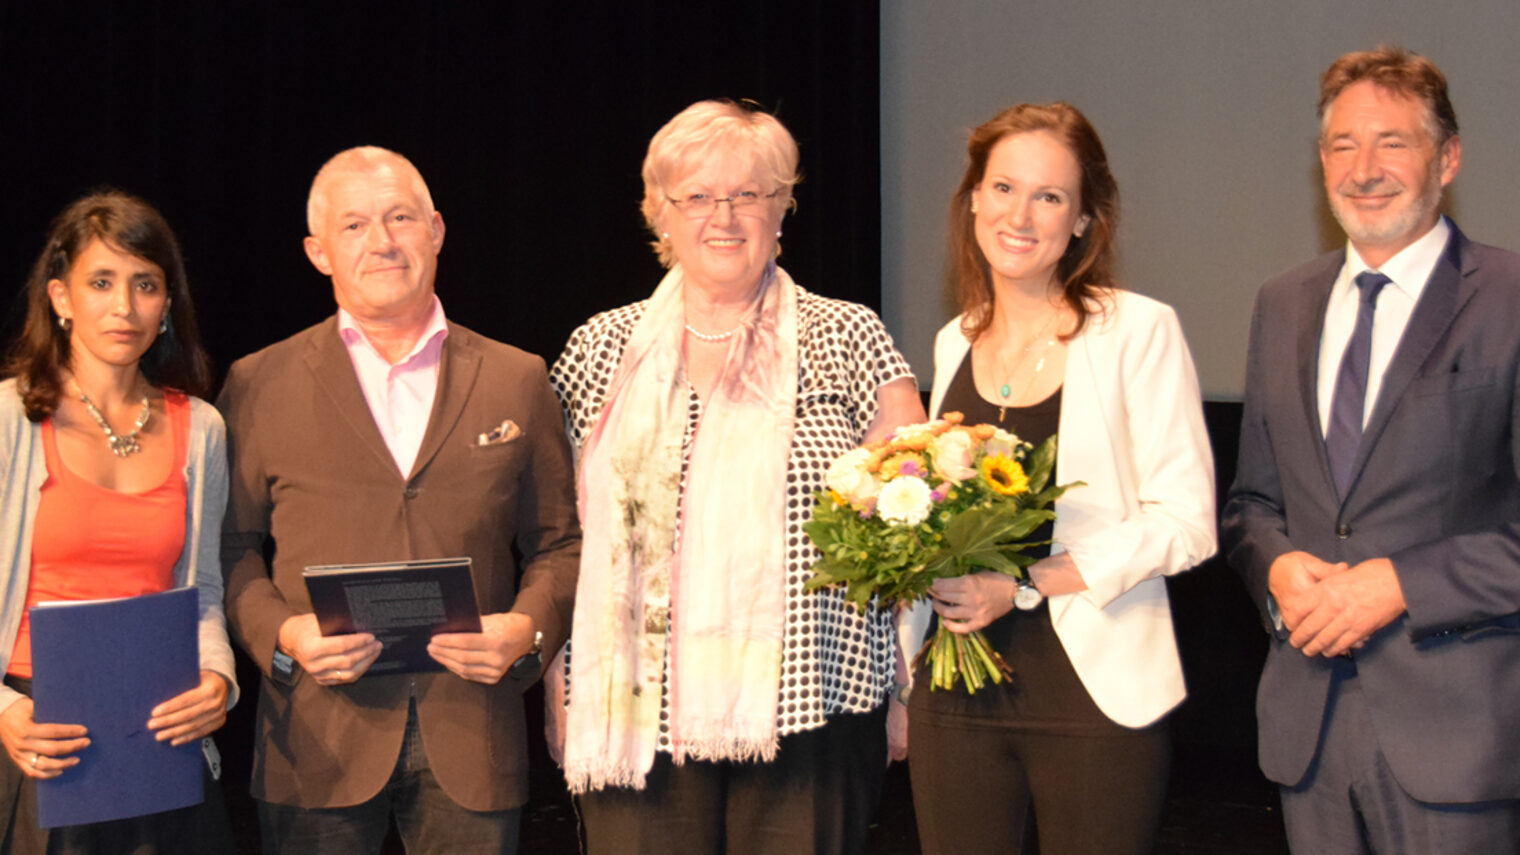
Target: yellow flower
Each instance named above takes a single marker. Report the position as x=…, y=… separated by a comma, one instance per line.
x=917, y=440
x=1004, y=475
x=892, y=466
x=837, y=499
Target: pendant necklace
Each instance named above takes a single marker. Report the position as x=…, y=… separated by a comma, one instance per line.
x=122, y=445
x=1005, y=391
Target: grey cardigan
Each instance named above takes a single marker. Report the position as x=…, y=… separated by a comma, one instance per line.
x=23, y=469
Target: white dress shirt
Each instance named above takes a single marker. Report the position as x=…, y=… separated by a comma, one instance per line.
x=1408, y=271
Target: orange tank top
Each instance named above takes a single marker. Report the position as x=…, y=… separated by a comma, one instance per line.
x=90, y=542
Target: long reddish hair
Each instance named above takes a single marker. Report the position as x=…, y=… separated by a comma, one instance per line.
x=1086, y=268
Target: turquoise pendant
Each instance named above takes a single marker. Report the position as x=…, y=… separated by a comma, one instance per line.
x=1004, y=391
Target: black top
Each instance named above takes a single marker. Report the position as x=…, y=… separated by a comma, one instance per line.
x=1033, y=424
x=1044, y=693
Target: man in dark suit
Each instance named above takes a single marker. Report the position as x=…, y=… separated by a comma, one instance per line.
x=380, y=434
x=1375, y=514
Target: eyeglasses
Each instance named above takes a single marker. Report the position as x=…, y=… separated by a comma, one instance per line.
x=702, y=204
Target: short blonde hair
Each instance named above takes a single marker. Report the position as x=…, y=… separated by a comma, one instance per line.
x=709, y=128
x=364, y=158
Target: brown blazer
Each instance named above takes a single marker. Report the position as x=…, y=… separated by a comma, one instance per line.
x=311, y=473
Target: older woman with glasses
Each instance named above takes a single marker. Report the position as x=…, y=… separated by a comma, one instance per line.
x=713, y=704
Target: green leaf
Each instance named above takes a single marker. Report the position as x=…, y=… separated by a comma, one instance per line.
x=1039, y=463
x=860, y=593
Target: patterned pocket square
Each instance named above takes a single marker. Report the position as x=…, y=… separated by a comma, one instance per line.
x=501, y=434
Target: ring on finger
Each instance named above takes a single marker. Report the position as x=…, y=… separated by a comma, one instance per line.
x=35, y=755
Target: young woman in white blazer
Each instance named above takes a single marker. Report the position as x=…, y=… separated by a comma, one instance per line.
x=1046, y=343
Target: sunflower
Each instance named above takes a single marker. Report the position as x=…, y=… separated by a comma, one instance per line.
x=1004, y=475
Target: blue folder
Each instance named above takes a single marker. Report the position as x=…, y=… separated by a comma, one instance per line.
x=106, y=664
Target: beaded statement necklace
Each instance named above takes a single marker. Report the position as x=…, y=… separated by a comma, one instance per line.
x=122, y=445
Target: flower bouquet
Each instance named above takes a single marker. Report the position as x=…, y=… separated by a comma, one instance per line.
x=933, y=501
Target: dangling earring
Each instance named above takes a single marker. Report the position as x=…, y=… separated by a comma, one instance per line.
x=973, y=206
x=163, y=322
x=65, y=324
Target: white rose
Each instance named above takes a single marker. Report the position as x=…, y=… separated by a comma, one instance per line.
x=952, y=455
x=905, y=501
x=848, y=477
x=1003, y=443
x=905, y=430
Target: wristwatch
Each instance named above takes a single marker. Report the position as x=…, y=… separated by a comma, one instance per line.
x=1027, y=596
x=530, y=662
x=283, y=667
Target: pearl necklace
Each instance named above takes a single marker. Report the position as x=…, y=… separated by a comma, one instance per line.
x=711, y=337
x=122, y=445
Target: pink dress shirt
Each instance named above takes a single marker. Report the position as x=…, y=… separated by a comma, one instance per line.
x=400, y=396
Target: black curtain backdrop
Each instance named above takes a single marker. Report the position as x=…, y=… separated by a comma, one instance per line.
x=529, y=122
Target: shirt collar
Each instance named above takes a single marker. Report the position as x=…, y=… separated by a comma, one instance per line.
x=1411, y=267
x=437, y=328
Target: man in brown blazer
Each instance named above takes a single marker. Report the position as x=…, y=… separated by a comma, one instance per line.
x=385, y=433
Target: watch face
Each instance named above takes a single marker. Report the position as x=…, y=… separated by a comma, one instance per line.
x=1028, y=597
x=284, y=667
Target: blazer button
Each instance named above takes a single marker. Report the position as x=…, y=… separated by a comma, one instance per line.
x=410, y=492
x=1342, y=531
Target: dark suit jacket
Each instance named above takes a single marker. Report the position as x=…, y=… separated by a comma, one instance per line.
x=311, y=472
x=1436, y=489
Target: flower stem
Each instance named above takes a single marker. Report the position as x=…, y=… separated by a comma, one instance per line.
x=968, y=659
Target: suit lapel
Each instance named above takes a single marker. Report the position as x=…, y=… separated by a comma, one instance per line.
x=1311, y=324
x=1439, y=303
x=334, y=372
x=458, y=369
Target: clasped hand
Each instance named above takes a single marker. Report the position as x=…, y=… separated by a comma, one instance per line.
x=1331, y=609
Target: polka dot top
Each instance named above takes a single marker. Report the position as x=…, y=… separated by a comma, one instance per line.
x=836, y=660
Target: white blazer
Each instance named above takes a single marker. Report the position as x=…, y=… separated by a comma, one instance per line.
x=1131, y=427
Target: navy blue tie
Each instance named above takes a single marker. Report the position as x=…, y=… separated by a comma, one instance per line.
x=1345, y=433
